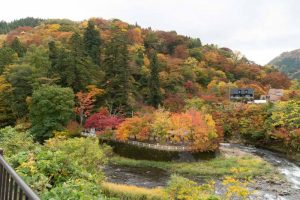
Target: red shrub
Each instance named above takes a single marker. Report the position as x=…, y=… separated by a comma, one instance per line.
x=103, y=120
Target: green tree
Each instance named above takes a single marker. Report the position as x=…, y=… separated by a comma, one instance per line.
x=77, y=72
x=50, y=110
x=286, y=114
x=118, y=80
x=5, y=27
x=92, y=42
x=21, y=78
x=61, y=67
x=6, y=114
x=37, y=57
x=17, y=46
x=53, y=55
x=7, y=57
x=71, y=67
x=154, y=84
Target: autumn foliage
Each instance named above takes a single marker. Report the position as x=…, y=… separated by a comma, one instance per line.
x=102, y=121
x=85, y=101
x=191, y=128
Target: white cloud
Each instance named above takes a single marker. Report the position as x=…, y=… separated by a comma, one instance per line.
x=260, y=29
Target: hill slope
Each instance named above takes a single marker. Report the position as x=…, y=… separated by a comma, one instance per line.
x=135, y=67
x=289, y=63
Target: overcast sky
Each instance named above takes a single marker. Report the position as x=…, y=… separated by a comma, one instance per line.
x=260, y=29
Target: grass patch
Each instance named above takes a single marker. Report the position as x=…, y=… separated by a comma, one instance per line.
x=128, y=192
x=241, y=167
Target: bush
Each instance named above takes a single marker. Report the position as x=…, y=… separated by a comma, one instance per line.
x=102, y=121
x=13, y=141
x=284, y=124
x=180, y=188
x=61, y=161
x=286, y=114
x=135, y=127
x=73, y=128
x=73, y=190
x=246, y=121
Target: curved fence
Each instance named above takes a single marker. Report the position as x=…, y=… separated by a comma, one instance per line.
x=156, y=146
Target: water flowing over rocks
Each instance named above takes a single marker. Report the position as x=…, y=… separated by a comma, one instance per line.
x=270, y=189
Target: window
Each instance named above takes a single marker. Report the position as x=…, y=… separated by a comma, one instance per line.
x=240, y=91
x=246, y=91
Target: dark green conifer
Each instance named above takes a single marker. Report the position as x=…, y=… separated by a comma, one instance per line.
x=118, y=77
x=154, y=84
x=17, y=46
x=92, y=43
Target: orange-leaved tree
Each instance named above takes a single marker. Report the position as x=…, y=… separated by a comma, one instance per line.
x=203, y=132
x=136, y=127
x=85, y=101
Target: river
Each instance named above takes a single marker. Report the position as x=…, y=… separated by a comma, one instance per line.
x=289, y=190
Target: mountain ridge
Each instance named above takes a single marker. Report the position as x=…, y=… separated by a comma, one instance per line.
x=288, y=63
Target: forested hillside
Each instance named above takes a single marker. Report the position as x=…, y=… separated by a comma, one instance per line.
x=59, y=77
x=5, y=27
x=134, y=66
x=289, y=63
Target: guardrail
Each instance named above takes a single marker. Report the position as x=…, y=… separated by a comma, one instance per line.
x=156, y=146
x=12, y=186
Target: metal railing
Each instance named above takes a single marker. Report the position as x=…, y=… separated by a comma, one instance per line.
x=12, y=187
x=156, y=146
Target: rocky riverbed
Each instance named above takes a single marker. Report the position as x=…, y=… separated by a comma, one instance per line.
x=286, y=187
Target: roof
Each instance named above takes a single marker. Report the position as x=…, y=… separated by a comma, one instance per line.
x=243, y=91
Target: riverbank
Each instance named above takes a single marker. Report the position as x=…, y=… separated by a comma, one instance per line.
x=272, y=146
x=247, y=167
x=267, y=181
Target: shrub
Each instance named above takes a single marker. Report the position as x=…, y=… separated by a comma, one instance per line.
x=73, y=128
x=180, y=188
x=236, y=189
x=61, y=161
x=13, y=141
x=286, y=114
x=102, y=121
x=246, y=121
x=284, y=124
x=75, y=189
x=135, y=127
x=194, y=103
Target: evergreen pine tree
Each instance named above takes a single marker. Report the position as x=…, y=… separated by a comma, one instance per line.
x=17, y=46
x=154, y=84
x=77, y=73
x=118, y=77
x=7, y=57
x=53, y=56
x=92, y=42
x=60, y=61
x=71, y=66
